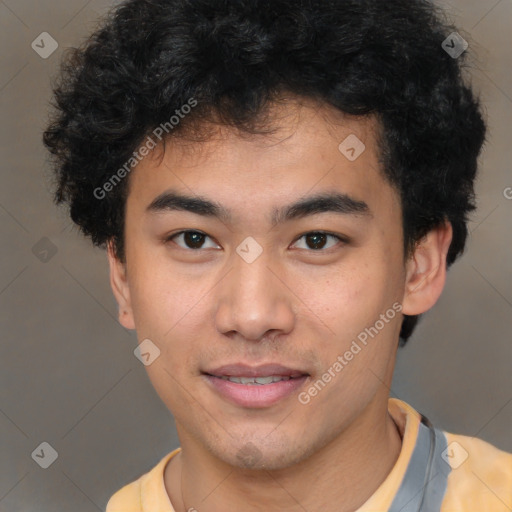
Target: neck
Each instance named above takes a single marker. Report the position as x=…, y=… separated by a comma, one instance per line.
x=338, y=478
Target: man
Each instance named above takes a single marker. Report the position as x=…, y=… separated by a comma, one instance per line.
x=281, y=187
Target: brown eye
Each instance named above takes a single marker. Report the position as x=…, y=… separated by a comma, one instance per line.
x=318, y=240
x=194, y=240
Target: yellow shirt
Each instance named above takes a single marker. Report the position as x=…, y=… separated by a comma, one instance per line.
x=466, y=475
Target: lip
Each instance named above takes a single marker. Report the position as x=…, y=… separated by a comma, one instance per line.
x=264, y=370
x=255, y=395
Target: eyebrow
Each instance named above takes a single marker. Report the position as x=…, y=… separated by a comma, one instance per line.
x=319, y=203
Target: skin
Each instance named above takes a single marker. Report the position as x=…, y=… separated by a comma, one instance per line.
x=295, y=305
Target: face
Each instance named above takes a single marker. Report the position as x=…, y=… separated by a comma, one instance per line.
x=234, y=282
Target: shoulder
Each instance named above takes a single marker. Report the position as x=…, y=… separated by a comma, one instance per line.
x=147, y=491
x=126, y=499
x=480, y=476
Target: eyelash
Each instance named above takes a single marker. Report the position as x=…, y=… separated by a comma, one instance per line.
x=340, y=238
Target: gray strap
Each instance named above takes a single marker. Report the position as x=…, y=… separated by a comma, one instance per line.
x=426, y=478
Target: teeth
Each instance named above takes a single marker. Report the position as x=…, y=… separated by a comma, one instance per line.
x=277, y=379
x=256, y=380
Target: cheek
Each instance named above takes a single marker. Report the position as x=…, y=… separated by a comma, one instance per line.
x=166, y=305
x=354, y=296
x=352, y=292
x=173, y=310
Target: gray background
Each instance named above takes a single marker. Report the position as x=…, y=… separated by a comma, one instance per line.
x=68, y=374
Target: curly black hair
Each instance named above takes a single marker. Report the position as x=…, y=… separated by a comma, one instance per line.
x=233, y=58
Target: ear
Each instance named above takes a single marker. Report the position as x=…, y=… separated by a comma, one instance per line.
x=120, y=288
x=426, y=270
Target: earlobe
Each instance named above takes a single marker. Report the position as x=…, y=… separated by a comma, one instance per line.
x=426, y=270
x=120, y=288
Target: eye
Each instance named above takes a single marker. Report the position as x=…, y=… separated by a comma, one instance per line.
x=318, y=240
x=191, y=240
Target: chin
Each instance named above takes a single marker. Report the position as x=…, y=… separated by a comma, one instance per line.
x=260, y=455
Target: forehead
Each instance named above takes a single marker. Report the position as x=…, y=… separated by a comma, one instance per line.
x=313, y=148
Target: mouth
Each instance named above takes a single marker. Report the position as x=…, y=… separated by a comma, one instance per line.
x=259, y=381
x=255, y=387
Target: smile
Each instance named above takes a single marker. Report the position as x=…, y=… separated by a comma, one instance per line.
x=257, y=380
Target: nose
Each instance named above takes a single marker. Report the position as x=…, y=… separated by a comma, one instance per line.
x=253, y=301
